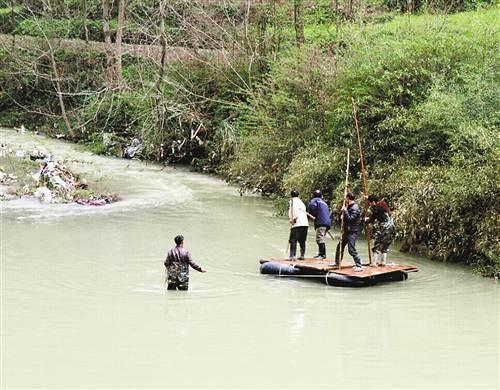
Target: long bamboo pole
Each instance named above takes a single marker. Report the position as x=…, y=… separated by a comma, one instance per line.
x=291, y=210
x=341, y=250
x=363, y=173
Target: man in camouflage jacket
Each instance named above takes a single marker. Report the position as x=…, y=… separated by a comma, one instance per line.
x=177, y=264
x=383, y=229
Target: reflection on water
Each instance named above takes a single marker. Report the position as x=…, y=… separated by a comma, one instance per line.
x=84, y=304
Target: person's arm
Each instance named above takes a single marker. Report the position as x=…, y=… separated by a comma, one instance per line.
x=168, y=259
x=292, y=213
x=193, y=264
x=352, y=214
x=312, y=207
x=376, y=214
x=371, y=217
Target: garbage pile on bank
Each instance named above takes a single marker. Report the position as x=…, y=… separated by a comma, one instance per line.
x=57, y=184
x=7, y=178
x=53, y=182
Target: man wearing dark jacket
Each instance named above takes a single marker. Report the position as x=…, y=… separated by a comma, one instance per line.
x=322, y=223
x=352, y=226
x=177, y=264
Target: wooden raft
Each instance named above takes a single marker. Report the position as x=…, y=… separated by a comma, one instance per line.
x=324, y=267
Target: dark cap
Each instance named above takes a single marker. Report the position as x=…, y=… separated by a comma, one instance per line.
x=317, y=194
x=294, y=193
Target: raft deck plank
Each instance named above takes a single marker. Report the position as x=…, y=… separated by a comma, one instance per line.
x=324, y=266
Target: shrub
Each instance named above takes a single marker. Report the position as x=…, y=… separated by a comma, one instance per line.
x=446, y=211
x=427, y=97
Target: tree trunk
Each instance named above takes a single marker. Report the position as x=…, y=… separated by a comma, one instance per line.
x=158, y=101
x=84, y=14
x=118, y=43
x=163, y=45
x=56, y=75
x=59, y=92
x=298, y=22
x=13, y=21
x=275, y=39
x=246, y=38
x=336, y=5
x=350, y=9
x=261, y=46
x=109, y=77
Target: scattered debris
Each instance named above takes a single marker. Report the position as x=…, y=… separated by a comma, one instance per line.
x=53, y=182
x=44, y=194
x=7, y=178
x=57, y=178
x=101, y=200
x=37, y=155
x=107, y=140
x=129, y=151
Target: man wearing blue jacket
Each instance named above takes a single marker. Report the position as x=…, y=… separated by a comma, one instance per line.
x=322, y=223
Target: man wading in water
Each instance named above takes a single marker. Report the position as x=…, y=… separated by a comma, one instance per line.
x=177, y=264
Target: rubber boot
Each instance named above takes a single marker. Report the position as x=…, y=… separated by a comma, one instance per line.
x=337, y=256
x=384, y=259
x=322, y=251
x=293, y=251
x=375, y=259
x=357, y=262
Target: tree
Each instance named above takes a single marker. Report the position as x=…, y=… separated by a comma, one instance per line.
x=84, y=16
x=118, y=43
x=55, y=75
x=298, y=22
x=106, y=15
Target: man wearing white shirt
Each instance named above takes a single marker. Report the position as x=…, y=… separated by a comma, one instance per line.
x=298, y=219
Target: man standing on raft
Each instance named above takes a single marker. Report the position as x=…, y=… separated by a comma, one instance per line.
x=298, y=219
x=383, y=227
x=177, y=264
x=352, y=226
x=322, y=223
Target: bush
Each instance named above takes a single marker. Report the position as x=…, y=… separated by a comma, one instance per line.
x=284, y=113
x=68, y=28
x=447, y=211
x=9, y=18
x=427, y=96
x=315, y=166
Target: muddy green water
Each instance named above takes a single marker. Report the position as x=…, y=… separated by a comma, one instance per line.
x=83, y=303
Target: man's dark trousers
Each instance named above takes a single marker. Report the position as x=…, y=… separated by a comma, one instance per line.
x=349, y=239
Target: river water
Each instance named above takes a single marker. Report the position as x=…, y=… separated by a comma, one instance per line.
x=83, y=303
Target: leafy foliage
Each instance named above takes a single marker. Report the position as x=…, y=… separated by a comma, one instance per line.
x=427, y=95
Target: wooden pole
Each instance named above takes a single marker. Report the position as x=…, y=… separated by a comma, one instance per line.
x=341, y=250
x=291, y=211
x=363, y=173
